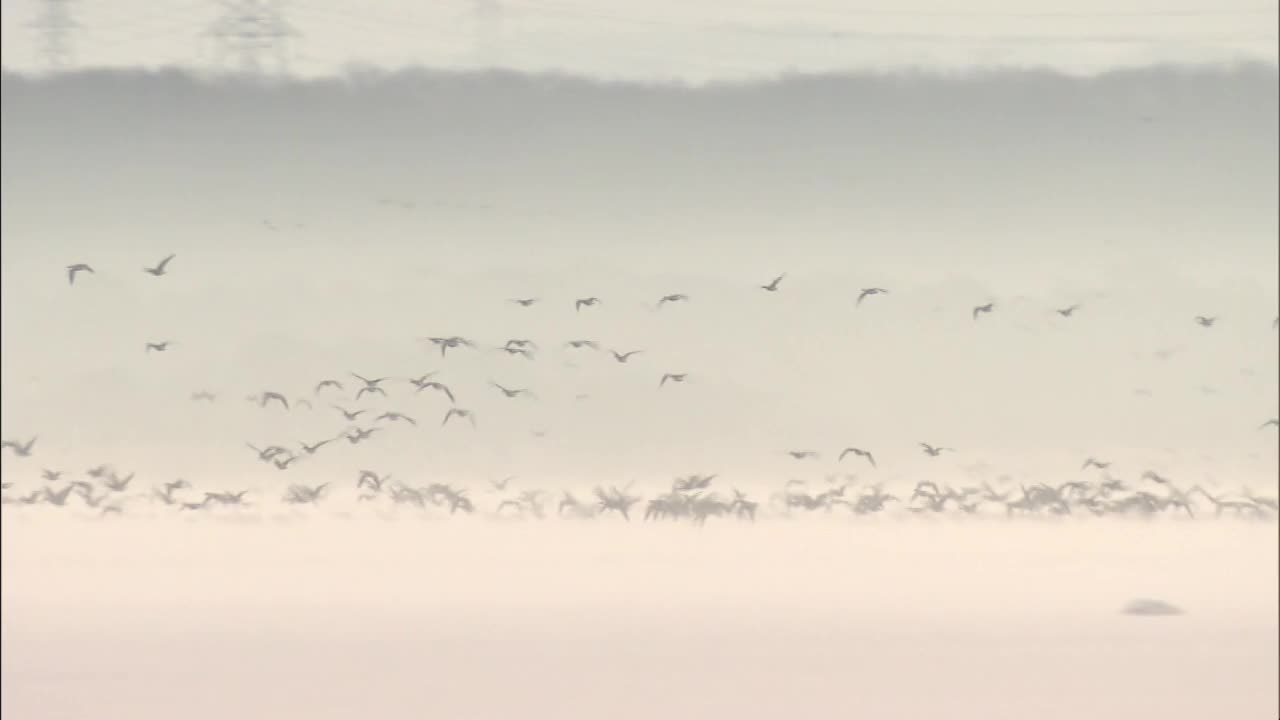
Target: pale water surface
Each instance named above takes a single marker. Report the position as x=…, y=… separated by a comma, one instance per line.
x=333, y=618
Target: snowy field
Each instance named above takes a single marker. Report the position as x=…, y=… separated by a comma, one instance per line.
x=327, y=618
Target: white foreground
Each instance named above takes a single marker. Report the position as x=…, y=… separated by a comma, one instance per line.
x=325, y=618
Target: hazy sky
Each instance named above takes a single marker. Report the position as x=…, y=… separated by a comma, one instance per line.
x=667, y=40
x=1148, y=197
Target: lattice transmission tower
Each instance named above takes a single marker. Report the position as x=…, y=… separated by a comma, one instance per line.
x=250, y=32
x=55, y=25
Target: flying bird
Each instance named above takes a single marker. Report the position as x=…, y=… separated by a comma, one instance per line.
x=269, y=395
x=438, y=387
x=349, y=414
x=1067, y=312
x=459, y=412
x=311, y=449
x=327, y=384
x=447, y=343
x=1273, y=422
x=585, y=302
x=860, y=453
x=1205, y=321
x=868, y=292
x=159, y=270
x=158, y=346
x=523, y=302
x=579, y=344
x=203, y=395
x=773, y=284
x=1091, y=462
x=396, y=417
x=983, y=309
x=73, y=269
x=673, y=377
x=803, y=454
x=509, y=392
x=623, y=357
x=20, y=449
x=677, y=297
x=932, y=451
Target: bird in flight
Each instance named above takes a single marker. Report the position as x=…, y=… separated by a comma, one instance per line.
x=502, y=484
x=395, y=417
x=1067, y=312
x=1205, y=321
x=1092, y=462
x=459, y=412
x=803, y=454
x=20, y=449
x=860, y=453
x=438, y=387
x=773, y=284
x=356, y=435
x=73, y=269
x=517, y=350
x=676, y=297
x=983, y=309
x=270, y=395
x=523, y=302
x=370, y=386
x=51, y=475
x=160, y=269
x=372, y=479
x=673, y=377
x=327, y=384
x=585, y=302
x=1155, y=477
x=349, y=414
x=868, y=292
x=445, y=343
x=203, y=395
x=623, y=357
x=158, y=346
x=511, y=393
x=1273, y=422
x=311, y=449
x=579, y=344
x=932, y=451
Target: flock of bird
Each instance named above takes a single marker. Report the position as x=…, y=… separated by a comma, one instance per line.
x=688, y=498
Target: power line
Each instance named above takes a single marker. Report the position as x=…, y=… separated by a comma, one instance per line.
x=247, y=31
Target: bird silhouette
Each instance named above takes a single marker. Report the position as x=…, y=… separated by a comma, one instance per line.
x=461, y=413
x=868, y=292
x=512, y=392
x=327, y=384
x=773, y=284
x=673, y=377
x=19, y=448
x=623, y=357
x=1207, y=322
x=860, y=453
x=983, y=309
x=585, y=302
x=160, y=269
x=77, y=268
x=932, y=451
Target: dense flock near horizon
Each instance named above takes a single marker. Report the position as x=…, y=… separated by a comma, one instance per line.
x=365, y=404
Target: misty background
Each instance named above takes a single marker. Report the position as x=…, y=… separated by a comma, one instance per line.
x=659, y=40
x=322, y=226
